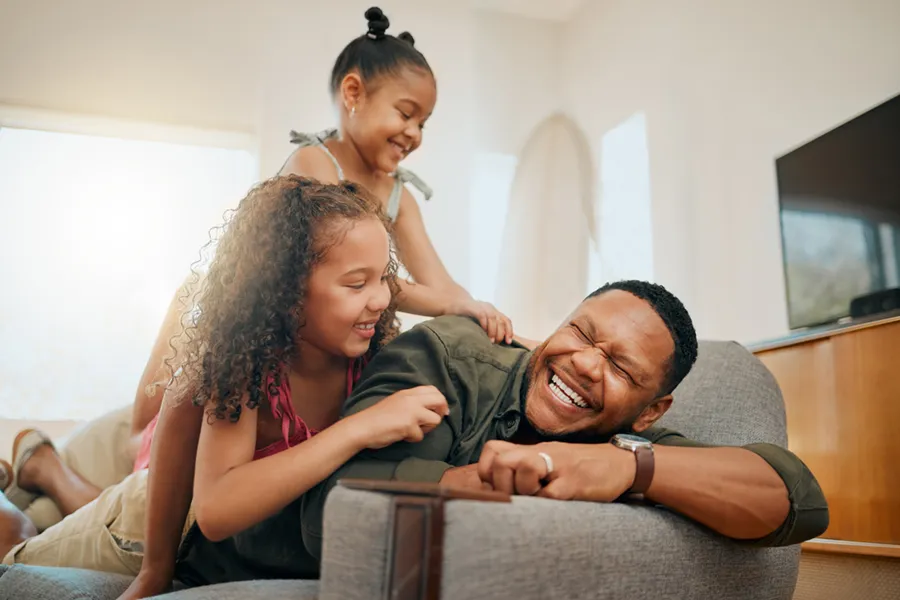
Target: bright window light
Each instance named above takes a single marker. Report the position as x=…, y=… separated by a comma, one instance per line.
x=96, y=234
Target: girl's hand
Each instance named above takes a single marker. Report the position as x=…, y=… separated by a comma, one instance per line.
x=404, y=416
x=497, y=325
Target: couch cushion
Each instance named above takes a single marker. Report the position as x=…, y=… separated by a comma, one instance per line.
x=54, y=583
x=729, y=398
x=269, y=589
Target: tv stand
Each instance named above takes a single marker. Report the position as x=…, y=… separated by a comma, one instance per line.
x=841, y=387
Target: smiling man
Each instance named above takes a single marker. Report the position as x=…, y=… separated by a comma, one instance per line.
x=574, y=419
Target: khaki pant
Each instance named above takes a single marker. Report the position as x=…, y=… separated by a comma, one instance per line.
x=106, y=535
x=99, y=451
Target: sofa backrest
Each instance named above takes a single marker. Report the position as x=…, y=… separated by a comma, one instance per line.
x=729, y=398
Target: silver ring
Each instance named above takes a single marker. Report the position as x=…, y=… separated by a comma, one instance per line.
x=548, y=461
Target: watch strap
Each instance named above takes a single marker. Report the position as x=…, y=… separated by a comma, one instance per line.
x=643, y=476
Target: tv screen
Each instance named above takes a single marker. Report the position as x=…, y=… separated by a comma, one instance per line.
x=840, y=216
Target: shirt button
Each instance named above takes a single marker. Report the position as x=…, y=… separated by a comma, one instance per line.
x=512, y=421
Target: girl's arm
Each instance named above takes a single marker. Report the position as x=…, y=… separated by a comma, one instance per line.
x=168, y=496
x=434, y=292
x=228, y=482
x=418, y=254
x=233, y=492
x=155, y=372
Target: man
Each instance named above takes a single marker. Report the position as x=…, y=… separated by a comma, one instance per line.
x=536, y=422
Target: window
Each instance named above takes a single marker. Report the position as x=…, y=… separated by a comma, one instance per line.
x=492, y=180
x=96, y=234
x=626, y=227
x=831, y=258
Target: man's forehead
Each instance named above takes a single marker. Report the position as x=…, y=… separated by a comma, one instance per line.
x=612, y=305
x=628, y=322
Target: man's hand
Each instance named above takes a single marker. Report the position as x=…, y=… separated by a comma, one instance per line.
x=588, y=472
x=463, y=478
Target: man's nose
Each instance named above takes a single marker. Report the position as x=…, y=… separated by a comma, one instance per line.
x=588, y=363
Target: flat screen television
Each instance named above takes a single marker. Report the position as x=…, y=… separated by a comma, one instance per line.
x=839, y=197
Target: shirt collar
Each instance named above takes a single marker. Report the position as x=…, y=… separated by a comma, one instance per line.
x=512, y=406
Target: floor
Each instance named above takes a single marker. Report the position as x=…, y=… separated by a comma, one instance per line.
x=826, y=576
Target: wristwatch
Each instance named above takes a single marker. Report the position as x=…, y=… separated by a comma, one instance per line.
x=643, y=455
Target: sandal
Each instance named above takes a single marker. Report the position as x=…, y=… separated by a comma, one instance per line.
x=6, y=475
x=26, y=442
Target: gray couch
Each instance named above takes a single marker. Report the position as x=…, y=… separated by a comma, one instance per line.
x=534, y=548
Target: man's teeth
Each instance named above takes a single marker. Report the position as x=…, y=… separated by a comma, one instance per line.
x=366, y=326
x=565, y=393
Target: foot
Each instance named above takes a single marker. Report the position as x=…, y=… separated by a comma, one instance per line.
x=15, y=527
x=36, y=468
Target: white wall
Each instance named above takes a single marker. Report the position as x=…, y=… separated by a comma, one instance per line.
x=516, y=77
x=726, y=87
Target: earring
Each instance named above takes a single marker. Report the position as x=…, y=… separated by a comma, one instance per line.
x=353, y=112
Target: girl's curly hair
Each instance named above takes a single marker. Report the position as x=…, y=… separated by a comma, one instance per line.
x=249, y=305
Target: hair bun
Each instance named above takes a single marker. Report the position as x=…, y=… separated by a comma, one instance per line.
x=407, y=37
x=378, y=23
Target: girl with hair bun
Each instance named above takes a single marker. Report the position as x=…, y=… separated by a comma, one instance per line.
x=385, y=91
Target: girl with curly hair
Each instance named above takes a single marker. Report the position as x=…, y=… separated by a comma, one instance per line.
x=300, y=294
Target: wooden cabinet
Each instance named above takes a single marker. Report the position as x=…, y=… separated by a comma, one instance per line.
x=842, y=396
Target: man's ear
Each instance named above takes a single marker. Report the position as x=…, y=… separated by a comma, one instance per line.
x=352, y=91
x=652, y=413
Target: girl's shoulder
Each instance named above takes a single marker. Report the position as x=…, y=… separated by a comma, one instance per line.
x=311, y=161
x=311, y=158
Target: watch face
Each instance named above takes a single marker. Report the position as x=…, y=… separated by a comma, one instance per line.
x=626, y=440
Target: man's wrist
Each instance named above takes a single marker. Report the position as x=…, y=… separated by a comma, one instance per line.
x=641, y=464
x=628, y=464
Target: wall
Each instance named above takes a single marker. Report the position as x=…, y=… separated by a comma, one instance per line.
x=517, y=78
x=726, y=87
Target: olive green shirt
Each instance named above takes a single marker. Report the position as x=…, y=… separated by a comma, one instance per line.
x=485, y=386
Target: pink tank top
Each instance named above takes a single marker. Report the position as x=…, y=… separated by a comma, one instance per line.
x=282, y=410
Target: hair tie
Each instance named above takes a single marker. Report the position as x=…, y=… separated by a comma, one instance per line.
x=378, y=23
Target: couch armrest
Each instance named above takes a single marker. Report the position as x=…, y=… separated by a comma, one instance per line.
x=543, y=549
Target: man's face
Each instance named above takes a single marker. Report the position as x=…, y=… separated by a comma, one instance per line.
x=601, y=371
